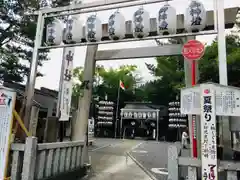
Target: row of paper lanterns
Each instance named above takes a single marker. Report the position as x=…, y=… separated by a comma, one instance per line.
x=194, y=20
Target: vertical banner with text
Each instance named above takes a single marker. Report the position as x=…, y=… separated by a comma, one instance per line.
x=7, y=105
x=208, y=133
x=66, y=84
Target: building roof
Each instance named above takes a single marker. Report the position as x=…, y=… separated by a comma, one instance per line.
x=148, y=106
x=20, y=90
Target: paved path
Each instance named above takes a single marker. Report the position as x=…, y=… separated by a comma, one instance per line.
x=153, y=156
x=109, y=161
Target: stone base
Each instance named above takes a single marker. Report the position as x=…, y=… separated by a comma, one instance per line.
x=75, y=174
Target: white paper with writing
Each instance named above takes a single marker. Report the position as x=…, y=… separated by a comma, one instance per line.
x=227, y=101
x=7, y=102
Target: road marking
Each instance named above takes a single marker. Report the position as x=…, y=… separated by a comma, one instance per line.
x=140, y=151
x=142, y=167
x=135, y=147
x=162, y=171
x=100, y=148
x=105, y=146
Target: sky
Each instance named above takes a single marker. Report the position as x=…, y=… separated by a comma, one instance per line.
x=51, y=68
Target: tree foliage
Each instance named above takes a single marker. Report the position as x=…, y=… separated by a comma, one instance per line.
x=171, y=70
x=17, y=34
x=106, y=82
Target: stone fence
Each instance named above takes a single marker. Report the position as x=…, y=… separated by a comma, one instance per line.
x=33, y=161
x=227, y=170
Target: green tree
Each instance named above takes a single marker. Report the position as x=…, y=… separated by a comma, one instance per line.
x=17, y=33
x=171, y=69
x=106, y=82
x=208, y=65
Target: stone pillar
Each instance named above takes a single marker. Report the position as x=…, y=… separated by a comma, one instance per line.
x=34, y=120
x=80, y=127
x=29, y=160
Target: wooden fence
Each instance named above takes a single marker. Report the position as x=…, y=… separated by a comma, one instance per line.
x=33, y=161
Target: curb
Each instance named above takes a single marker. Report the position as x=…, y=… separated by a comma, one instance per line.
x=142, y=167
x=100, y=148
x=105, y=146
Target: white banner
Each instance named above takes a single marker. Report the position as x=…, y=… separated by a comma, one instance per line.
x=7, y=103
x=208, y=133
x=66, y=84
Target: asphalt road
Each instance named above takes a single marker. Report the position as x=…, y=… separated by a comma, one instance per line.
x=109, y=161
x=153, y=157
x=115, y=159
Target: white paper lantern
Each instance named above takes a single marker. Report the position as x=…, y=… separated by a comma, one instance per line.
x=135, y=115
x=195, y=17
x=167, y=20
x=68, y=34
x=93, y=29
x=54, y=33
x=144, y=115
x=140, y=115
x=43, y=4
x=141, y=23
x=116, y=26
x=77, y=29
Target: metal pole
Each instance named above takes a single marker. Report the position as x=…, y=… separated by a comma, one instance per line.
x=116, y=116
x=157, y=125
x=33, y=70
x=121, y=127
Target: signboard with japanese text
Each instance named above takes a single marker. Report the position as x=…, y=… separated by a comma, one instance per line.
x=7, y=105
x=139, y=115
x=66, y=84
x=208, y=133
x=227, y=100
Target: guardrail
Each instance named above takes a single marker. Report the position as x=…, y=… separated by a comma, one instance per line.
x=228, y=170
x=33, y=161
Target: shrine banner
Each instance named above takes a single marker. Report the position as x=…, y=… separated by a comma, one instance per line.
x=66, y=84
x=208, y=133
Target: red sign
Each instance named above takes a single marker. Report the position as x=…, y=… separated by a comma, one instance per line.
x=193, y=50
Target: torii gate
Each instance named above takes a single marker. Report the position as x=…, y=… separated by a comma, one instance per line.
x=215, y=25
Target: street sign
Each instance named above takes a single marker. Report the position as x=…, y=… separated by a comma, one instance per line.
x=227, y=100
x=208, y=132
x=193, y=50
x=7, y=103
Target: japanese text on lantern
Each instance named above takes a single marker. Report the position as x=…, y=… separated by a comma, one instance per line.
x=209, y=142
